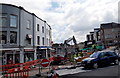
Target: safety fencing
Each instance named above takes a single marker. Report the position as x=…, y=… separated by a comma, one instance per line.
x=5, y=68
x=20, y=72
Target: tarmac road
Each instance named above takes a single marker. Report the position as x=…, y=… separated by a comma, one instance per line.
x=112, y=71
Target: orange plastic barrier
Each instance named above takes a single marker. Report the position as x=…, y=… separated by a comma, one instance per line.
x=20, y=72
x=5, y=68
x=9, y=66
x=51, y=59
x=31, y=63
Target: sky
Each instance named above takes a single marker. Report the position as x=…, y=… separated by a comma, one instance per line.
x=71, y=17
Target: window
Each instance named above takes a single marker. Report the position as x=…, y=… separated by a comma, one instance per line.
x=112, y=53
x=28, y=24
x=29, y=41
x=3, y=20
x=28, y=38
x=47, y=41
x=38, y=40
x=13, y=21
x=3, y=37
x=101, y=55
x=43, y=40
x=42, y=29
x=38, y=27
x=94, y=55
x=13, y=37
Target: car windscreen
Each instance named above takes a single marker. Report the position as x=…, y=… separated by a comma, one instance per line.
x=94, y=55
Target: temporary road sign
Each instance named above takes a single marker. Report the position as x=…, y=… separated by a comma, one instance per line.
x=45, y=62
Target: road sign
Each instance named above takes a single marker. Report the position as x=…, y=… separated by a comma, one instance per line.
x=44, y=62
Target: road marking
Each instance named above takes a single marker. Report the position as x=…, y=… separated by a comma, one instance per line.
x=71, y=71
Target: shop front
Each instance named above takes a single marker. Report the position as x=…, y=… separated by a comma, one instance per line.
x=43, y=52
x=9, y=56
x=28, y=55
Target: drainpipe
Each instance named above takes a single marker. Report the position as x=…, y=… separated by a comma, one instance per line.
x=20, y=46
x=34, y=36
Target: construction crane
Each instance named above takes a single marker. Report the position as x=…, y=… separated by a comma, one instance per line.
x=75, y=44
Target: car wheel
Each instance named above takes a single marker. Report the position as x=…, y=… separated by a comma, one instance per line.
x=95, y=65
x=116, y=62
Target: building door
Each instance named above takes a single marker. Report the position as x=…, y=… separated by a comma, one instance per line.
x=10, y=59
x=17, y=58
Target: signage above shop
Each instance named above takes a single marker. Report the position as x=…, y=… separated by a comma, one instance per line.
x=27, y=50
x=43, y=47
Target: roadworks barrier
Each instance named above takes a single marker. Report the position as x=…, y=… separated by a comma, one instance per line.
x=20, y=72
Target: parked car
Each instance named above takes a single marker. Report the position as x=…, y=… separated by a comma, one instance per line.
x=59, y=59
x=100, y=58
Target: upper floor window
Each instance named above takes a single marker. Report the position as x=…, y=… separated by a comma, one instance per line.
x=43, y=41
x=38, y=40
x=13, y=21
x=29, y=38
x=42, y=29
x=3, y=37
x=13, y=37
x=28, y=24
x=3, y=20
x=38, y=28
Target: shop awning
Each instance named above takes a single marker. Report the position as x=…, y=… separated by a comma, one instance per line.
x=44, y=47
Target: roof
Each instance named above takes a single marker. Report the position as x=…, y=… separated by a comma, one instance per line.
x=25, y=11
x=110, y=25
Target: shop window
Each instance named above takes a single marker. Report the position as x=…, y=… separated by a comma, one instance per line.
x=13, y=37
x=3, y=20
x=29, y=57
x=13, y=21
x=3, y=37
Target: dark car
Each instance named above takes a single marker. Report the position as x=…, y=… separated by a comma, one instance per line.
x=100, y=58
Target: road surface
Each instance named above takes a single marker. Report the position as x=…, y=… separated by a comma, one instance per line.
x=112, y=71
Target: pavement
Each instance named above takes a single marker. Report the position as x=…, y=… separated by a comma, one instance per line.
x=46, y=71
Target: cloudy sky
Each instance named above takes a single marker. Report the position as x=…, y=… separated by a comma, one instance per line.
x=71, y=17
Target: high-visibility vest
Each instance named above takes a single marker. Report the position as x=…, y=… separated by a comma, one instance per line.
x=74, y=55
x=78, y=54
